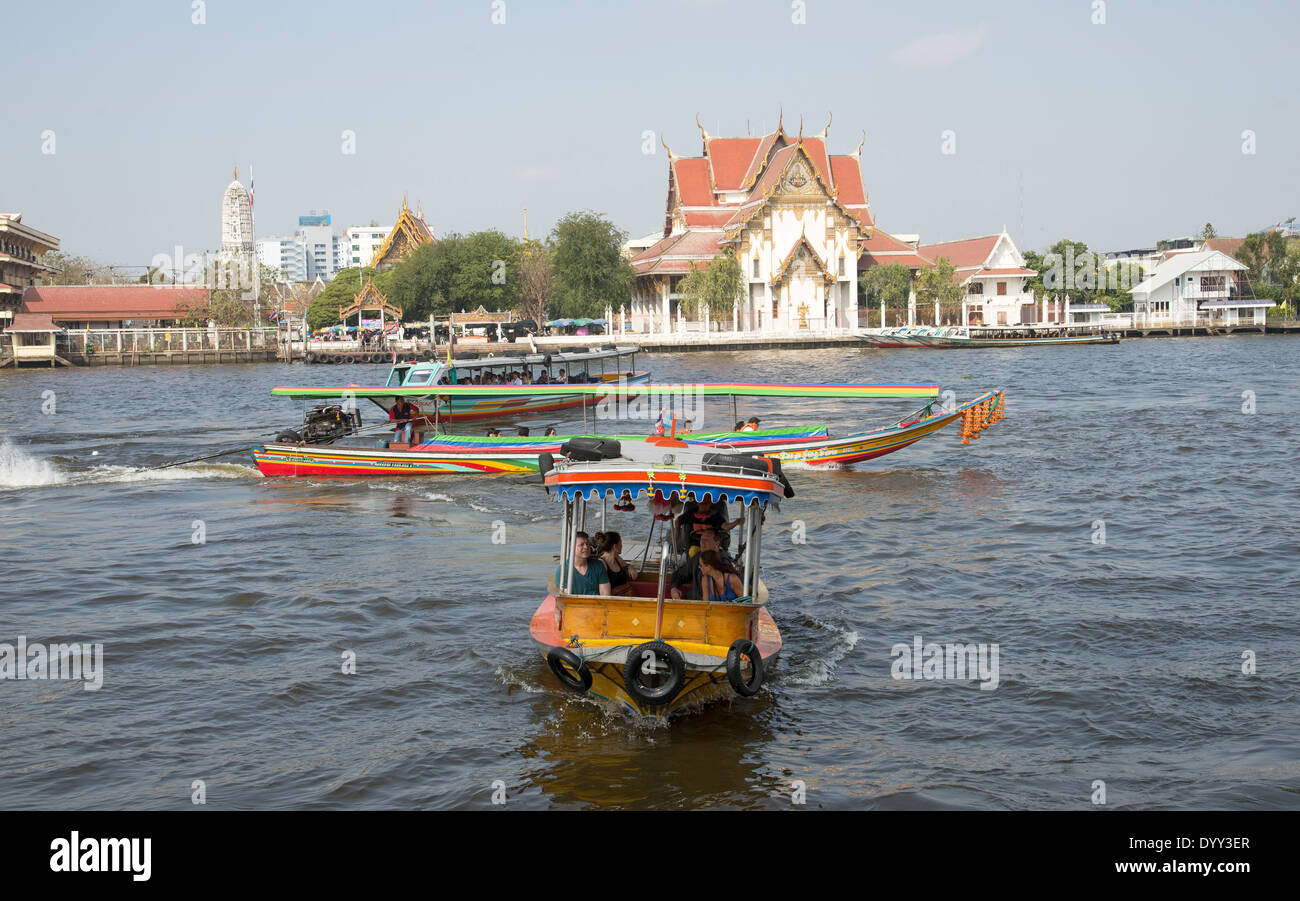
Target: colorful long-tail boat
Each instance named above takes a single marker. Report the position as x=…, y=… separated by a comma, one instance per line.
x=349, y=455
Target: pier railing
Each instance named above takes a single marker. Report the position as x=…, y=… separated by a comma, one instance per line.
x=166, y=340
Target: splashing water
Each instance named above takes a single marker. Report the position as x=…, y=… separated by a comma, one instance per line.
x=19, y=469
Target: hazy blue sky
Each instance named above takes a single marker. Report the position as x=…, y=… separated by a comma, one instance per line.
x=1115, y=134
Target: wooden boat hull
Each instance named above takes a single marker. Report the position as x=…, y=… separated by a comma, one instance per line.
x=610, y=627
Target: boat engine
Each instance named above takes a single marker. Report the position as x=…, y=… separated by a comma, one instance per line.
x=323, y=424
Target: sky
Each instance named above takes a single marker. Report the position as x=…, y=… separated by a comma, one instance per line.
x=1115, y=123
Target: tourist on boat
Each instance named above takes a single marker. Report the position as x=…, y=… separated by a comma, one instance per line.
x=561, y=379
x=720, y=580
x=740, y=426
x=688, y=572
x=551, y=432
x=402, y=413
x=589, y=573
x=523, y=431
x=751, y=425
x=621, y=573
x=705, y=517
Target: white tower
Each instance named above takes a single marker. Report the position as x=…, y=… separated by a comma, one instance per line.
x=236, y=221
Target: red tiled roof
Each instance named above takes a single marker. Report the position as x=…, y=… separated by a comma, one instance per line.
x=693, y=181
x=881, y=241
x=1224, y=245
x=963, y=254
x=717, y=217
x=848, y=178
x=760, y=157
x=33, y=322
x=110, y=302
x=910, y=260
x=675, y=253
x=732, y=159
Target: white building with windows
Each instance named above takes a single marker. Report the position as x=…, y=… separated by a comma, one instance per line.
x=360, y=242
x=1203, y=288
x=993, y=273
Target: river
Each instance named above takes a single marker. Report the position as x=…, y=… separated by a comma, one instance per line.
x=1124, y=538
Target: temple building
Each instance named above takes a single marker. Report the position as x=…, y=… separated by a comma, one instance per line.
x=793, y=215
x=408, y=233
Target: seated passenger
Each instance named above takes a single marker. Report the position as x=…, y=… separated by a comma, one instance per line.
x=721, y=581
x=621, y=573
x=751, y=425
x=688, y=572
x=589, y=573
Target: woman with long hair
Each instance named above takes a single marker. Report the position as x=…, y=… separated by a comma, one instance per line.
x=621, y=573
x=719, y=579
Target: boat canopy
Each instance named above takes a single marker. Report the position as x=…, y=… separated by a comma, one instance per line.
x=618, y=479
x=848, y=392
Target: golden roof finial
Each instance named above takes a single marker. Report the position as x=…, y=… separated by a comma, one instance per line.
x=829, y=117
x=779, y=113
x=857, y=154
x=703, y=134
x=235, y=174
x=801, y=128
x=419, y=210
x=671, y=155
x=403, y=201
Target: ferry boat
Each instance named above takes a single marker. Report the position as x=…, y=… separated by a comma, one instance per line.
x=328, y=445
x=646, y=653
x=954, y=336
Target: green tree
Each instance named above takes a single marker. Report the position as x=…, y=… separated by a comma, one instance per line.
x=422, y=283
x=1208, y=232
x=717, y=286
x=939, y=283
x=484, y=273
x=536, y=281
x=1256, y=250
x=890, y=283
x=589, y=265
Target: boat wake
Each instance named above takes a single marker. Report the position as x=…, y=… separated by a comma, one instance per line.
x=19, y=469
x=819, y=670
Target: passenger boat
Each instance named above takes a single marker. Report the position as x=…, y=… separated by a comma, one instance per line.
x=612, y=365
x=974, y=336
x=337, y=451
x=647, y=653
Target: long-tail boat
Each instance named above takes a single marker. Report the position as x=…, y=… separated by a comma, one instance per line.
x=647, y=653
x=342, y=453
x=955, y=336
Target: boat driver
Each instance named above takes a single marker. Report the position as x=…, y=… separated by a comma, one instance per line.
x=589, y=573
x=401, y=414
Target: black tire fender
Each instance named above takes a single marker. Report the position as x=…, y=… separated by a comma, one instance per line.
x=591, y=449
x=743, y=647
x=569, y=668
x=289, y=436
x=657, y=653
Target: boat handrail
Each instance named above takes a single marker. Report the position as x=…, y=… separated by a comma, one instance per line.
x=659, y=598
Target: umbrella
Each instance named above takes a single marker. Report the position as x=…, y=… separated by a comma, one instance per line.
x=560, y=323
x=583, y=321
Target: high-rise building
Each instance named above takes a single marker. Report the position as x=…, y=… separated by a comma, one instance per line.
x=360, y=243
